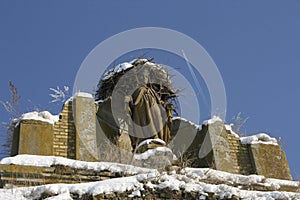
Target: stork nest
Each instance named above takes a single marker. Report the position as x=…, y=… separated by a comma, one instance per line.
x=140, y=72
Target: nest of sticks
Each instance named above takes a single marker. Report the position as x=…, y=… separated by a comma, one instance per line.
x=142, y=72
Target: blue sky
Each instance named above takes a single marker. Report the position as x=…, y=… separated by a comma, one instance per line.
x=255, y=45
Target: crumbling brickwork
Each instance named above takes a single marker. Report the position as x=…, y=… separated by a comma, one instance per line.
x=240, y=156
x=64, y=141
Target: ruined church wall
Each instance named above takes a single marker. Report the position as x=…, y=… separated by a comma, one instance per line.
x=62, y=139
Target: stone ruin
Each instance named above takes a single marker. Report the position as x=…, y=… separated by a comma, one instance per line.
x=89, y=130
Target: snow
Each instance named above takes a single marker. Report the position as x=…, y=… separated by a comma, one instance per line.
x=204, y=173
x=83, y=94
x=213, y=120
x=228, y=127
x=136, y=193
x=44, y=116
x=148, y=141
x=262, y=138
x=99, y=101
x=47, y=161
x=7, y=194
x=63, y=191
x=117, y=69
x=189, y=180
x=282, y=182
x=127, y=65
x=63, y=196
x=116, y=185
x=151, y=152
x=79, y=94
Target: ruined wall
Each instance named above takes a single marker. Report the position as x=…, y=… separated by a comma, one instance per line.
x=240, y=154
x=225, y=151
x=262, y=159
x=64, y=136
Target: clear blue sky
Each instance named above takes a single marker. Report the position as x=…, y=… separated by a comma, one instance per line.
x=255, y=45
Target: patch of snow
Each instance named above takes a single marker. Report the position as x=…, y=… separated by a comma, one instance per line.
x=136, y=193
x=198, y=127
x=117, y=69
x=83, y=94
x=79, y=94
x=99, y=101
x=228, y=127
x=155, y=65
x=63, y=191
x=191, y=180
x=44, y=116
x=8, y=194
x=204, y=173
x=213, y=120
x=148, y=141
x=63, y=196
x=283, y=182
x=262, y=138
x=118, y=185
x=151, y=152
x=47, y=161
x=170, y=182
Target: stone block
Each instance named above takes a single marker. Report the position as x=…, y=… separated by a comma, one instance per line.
x=35, y=137
x=270, y=161
x=85, y=123
x=207, y=146
x=220, y=147
x=185, y=139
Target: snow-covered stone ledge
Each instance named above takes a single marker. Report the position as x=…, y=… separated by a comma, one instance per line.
x=49, y=161
x=189, y=183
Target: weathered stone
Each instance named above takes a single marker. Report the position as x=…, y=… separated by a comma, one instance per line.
x=183, y=136
x=107, y=127
x=220, y=147
x=154, y=158
x=209, y=146
x=85, y=123
x=35, y=137
x=270, y=161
